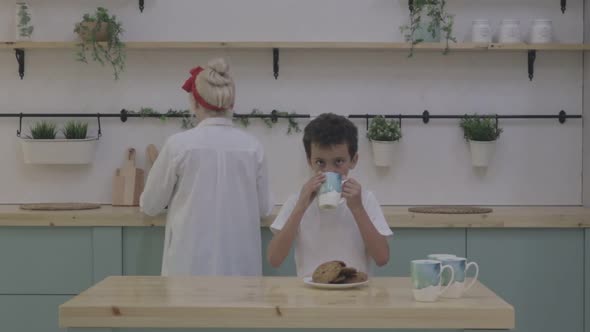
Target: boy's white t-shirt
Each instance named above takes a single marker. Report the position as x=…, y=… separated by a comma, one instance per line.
x=326, y=235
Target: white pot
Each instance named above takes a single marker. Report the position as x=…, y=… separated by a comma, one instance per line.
x=383, y=152
x=59, y=151
x=482, y=152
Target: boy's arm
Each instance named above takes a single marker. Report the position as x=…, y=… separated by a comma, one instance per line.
x=375, y=242
x=282, y=241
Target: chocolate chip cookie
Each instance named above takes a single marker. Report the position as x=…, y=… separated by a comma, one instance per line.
x=357, y=277
x=327, y=272
x=348, y=271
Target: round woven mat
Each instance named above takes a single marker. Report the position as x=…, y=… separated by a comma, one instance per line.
x=450, y=209
x=60, y=206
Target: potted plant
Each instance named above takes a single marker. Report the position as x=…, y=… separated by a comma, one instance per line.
x=383, y=135
x=42, y=146
x=100, y=37
x=428, y=20
x=24, y=25
x=481, y=132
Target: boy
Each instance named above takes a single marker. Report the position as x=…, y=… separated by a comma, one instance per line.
x=354, y=232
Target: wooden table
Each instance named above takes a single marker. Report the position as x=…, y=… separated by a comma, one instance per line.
x=273, y=302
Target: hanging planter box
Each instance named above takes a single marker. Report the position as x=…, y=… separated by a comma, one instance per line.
x=59, y=151
x=383, y=152
x=482, y=152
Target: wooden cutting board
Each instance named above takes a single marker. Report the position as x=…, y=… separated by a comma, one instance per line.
x=59, y=206
x=128, y=182
x=152, y=153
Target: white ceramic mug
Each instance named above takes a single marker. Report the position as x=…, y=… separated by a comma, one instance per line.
x=427, y=280
x=438, y=257
x=460, y=266
x=330, y=193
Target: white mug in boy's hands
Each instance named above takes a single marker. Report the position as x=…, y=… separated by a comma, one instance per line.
x=330, y=194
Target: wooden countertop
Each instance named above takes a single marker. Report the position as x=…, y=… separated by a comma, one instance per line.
x=275, y=302
x=397, y=217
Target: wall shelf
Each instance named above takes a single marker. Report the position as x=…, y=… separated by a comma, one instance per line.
x=531, y=49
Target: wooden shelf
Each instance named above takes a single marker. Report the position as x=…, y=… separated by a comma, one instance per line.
x=530, y=49
x=312, y=45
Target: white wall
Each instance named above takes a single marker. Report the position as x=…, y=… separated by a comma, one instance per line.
x=537, y=162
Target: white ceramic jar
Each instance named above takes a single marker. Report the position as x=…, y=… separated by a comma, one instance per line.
x=481, y=32
x=509, y=32
x=541, y=31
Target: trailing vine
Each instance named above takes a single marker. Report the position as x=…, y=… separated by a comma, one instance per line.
x=188, y=118
x=293, y=125
x=440, y=20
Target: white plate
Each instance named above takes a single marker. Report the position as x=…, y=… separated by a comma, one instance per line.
x=308, y=281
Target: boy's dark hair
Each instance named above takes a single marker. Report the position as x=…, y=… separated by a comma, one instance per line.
x=329, y=129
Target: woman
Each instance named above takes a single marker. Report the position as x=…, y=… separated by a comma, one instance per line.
x=214, y=180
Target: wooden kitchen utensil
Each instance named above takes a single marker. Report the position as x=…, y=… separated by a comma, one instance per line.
x=59, y=206
x=128, y=182
x=152, y=153
x=450, y=209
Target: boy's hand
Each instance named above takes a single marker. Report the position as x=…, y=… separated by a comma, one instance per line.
x=351, y=191
x=310, y=190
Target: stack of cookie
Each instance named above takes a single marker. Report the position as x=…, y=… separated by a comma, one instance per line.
x=336, y=272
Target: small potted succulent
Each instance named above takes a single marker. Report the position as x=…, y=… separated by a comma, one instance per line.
x=100, y=37
x=481, y=132
x=43, y=146
x=383, y=135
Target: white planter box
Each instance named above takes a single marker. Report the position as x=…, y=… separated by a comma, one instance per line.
x=59, y=151
x=482, y=153
x=383, y=152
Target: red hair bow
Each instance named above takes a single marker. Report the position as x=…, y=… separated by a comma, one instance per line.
x=190, y=86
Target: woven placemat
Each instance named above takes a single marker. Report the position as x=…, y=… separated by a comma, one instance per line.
x=450, y=209
x=59, y=206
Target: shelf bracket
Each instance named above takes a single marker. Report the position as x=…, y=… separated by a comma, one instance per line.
x=275, y=62
x=563, y=5
x=141, y=5
x=532, y=56
x=20, y=57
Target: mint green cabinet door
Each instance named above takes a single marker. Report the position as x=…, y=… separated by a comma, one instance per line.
x=539, y=271
x=587, y=281
x=30, y=313
x=416, y=243
x=142, y=250
x=288, y=266
x=45, y=260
